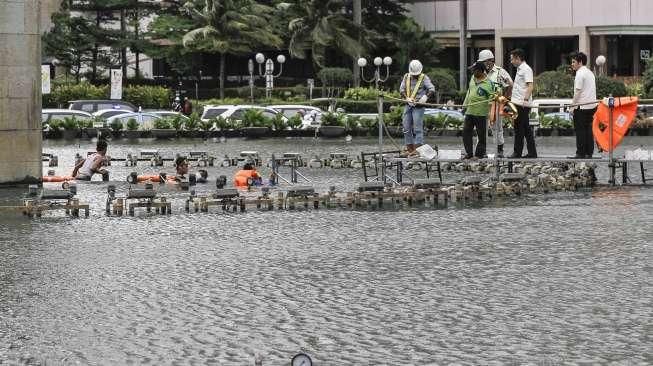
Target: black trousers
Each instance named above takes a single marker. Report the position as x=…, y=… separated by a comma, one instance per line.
x=523, y=130
x=480, y=123
x=583, y=128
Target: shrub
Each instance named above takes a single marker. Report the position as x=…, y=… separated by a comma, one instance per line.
x=278, y=122
x=554, y=84
x=606, y=86
x=132, y=124
x=635, y=89
x=116, y=125
x=206, y=125
x=163, y=124
x=444, y=81
x=70, y=123
x=394, y=117
x=295, y=122
x=177, y=122
x=148, y=96
x=333, y=119
x=193, y=122
x=254, y=118
x=436, y=121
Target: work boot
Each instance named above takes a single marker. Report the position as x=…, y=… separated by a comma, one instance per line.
x=500, y=151
x=410, y=148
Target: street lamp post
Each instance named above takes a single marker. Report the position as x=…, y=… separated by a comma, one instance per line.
x=378, y=61
x=269, y=72
x=250, y=68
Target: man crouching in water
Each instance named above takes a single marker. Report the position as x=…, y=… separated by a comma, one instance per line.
x=181, y=168
x=85, y=169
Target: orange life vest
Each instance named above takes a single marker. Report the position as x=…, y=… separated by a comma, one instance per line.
x=623, y=114
x=241, y=177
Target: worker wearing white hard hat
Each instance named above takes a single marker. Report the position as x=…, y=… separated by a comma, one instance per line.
x=416, y=88
x=503, y=85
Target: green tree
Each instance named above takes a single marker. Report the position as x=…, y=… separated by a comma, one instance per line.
x=70, y=42
x=413, y=43
x=323, y=24
x=228, y=27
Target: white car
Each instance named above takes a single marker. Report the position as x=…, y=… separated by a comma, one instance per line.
x=234, y=111
x=107, y=113
x=145, y=120
x=168, y=114
x=48, y=115
x=311, y=118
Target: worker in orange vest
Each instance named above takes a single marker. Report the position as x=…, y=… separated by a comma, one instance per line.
x=246, y=177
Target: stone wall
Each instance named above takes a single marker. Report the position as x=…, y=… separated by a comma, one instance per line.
x=20, y=89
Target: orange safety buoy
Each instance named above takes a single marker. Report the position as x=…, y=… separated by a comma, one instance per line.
x=57, y=178
x=625, y=109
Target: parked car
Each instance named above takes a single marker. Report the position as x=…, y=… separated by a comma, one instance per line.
x=145, y=120
x=48, y=115
x=168, y=114
x=234, y=111
x=545, y=106
x=447, y=112
x=106, y=113
x=566, y=116
x=311, y=118
x=99, y=104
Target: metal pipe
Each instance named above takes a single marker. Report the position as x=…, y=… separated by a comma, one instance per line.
x=611, y=164
x=380, y=118
x=463, y=47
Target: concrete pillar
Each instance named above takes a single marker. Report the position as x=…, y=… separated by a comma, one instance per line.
x=20, y=91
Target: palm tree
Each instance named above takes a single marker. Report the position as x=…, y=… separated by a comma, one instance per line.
x=229, y=27
x=322, y=24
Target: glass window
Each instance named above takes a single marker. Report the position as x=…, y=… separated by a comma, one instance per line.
x=88, y=108
x=44, y=117
x=147, y=118
x=213, y=112
x=290, y=112
x=238, y=114
x=269, y=114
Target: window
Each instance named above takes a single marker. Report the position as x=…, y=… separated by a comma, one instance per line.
x=290, y=112
x=269, y=114
x=213, y=112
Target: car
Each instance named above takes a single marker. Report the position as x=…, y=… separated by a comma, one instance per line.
x=106, y=113
x=145, y=120
x=447, y=112
x=310, y=119
x=545, y=106
x=566, y=116
x=235, y=111
x=168, y=114
x=95, y=105
x=48, y=115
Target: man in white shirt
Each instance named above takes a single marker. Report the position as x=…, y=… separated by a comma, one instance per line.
x=522, y=97
x=503, y=84
x=584, y=92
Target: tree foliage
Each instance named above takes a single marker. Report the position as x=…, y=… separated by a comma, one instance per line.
x=321, y=25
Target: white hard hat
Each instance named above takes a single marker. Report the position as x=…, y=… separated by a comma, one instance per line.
x=415, y=67
x=485, y=55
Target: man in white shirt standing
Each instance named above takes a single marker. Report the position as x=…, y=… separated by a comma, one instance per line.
x=584, y=92
x=522, y=97
x=503, y=84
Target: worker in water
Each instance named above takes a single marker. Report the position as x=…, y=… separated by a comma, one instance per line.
x=93, y=163
x=246, y=177
x=181, y=168
x=416, y=88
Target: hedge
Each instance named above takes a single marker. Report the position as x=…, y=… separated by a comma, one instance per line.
x=154, y=97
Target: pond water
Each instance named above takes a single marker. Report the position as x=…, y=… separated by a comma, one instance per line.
x=565, y=278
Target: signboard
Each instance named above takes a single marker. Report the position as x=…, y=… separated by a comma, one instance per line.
x=116, y=84
x=45, y=79
x=269, y=81
x=644, y=54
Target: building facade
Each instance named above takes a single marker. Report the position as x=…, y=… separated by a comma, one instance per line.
x=548, y=30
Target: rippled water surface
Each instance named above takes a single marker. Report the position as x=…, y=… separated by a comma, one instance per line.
x=565, y=278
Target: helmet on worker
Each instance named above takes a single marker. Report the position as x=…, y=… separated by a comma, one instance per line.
x=485, y=55
x=415, y=67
